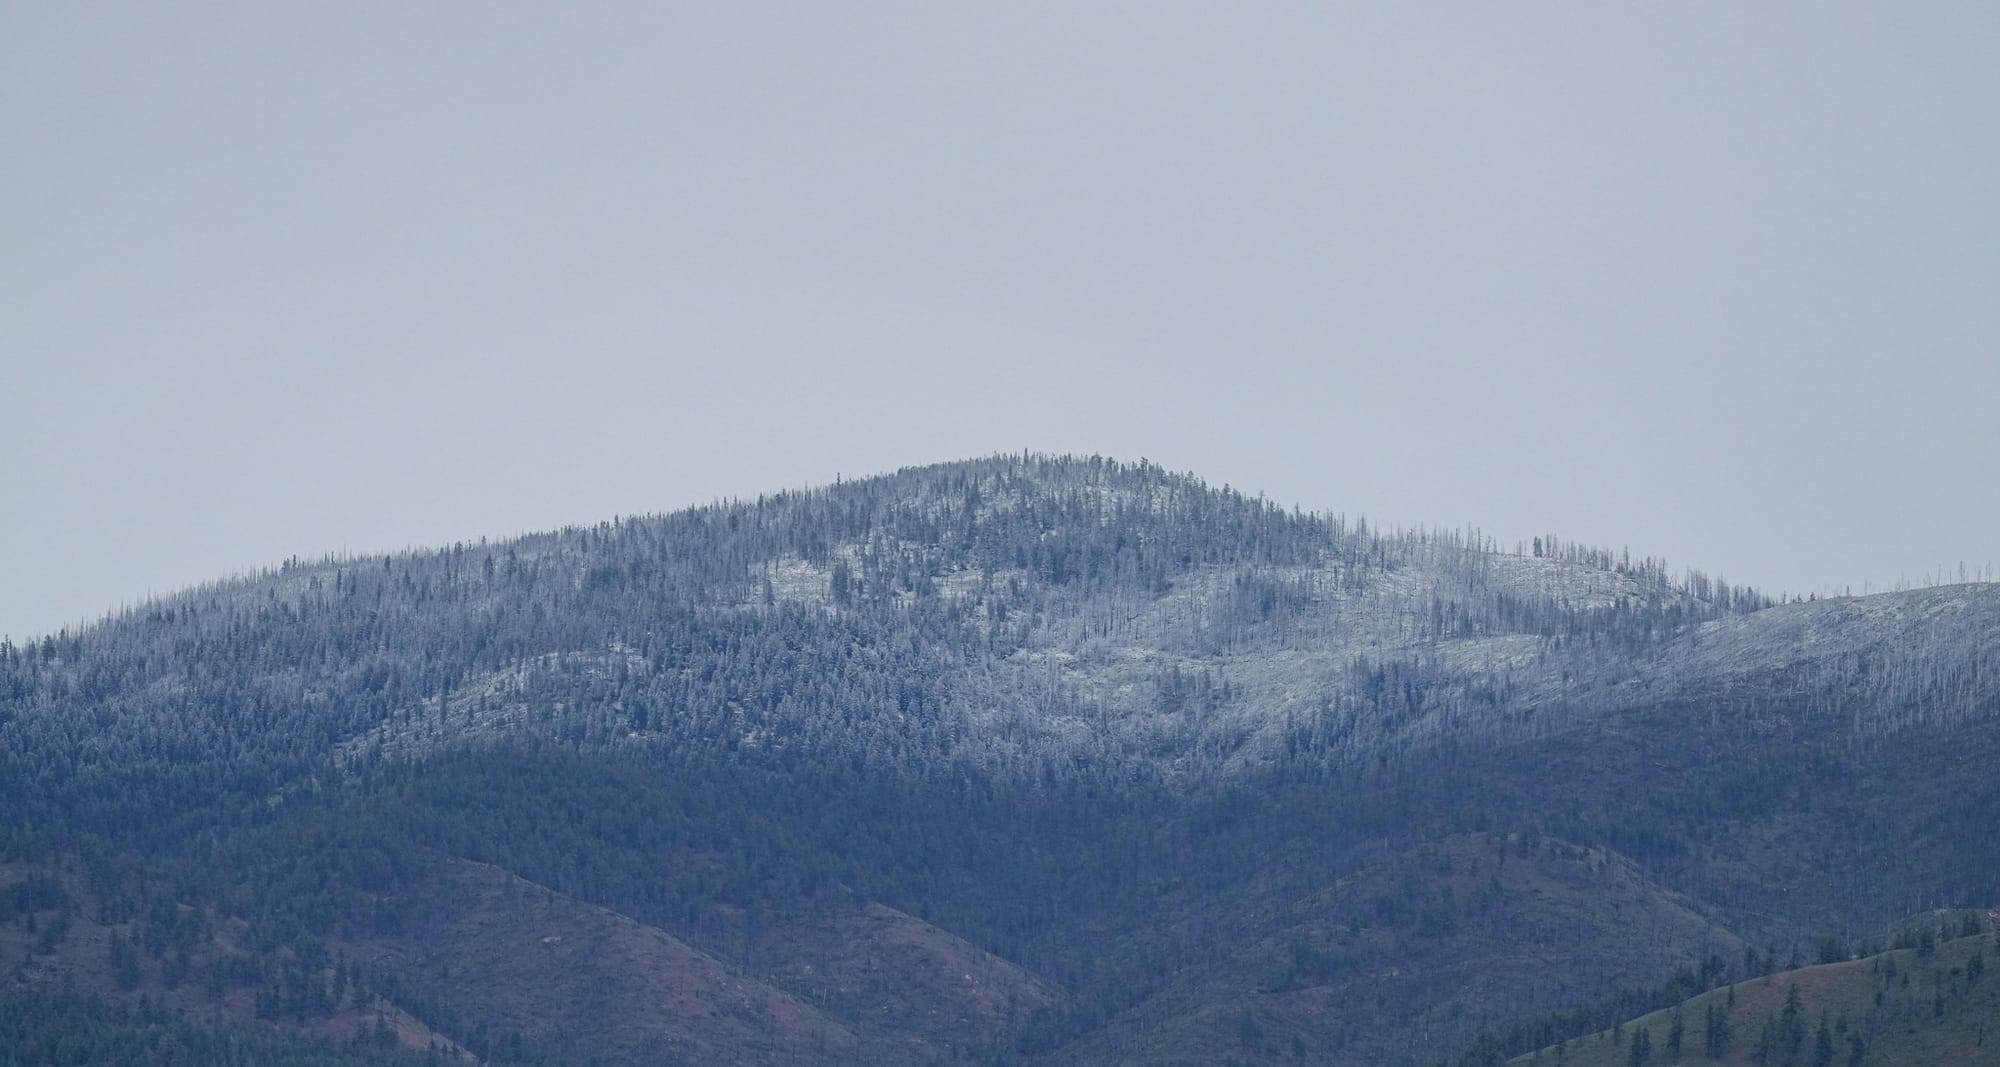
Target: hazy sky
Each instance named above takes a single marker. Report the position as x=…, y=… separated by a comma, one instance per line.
x=1717, y=281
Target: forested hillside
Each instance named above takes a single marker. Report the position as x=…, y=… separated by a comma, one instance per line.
x=1024, y=759
x=1926, y=999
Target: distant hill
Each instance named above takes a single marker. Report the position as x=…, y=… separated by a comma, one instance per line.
x=1021, y=759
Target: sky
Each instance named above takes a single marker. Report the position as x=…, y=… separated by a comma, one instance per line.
x=1713, y=281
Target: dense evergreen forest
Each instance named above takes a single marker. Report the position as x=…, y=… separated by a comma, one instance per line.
x=1024, y=759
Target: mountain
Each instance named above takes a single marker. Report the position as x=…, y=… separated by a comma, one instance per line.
x=1023, y=759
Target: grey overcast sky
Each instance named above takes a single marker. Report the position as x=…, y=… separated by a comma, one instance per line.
x=1718, y=281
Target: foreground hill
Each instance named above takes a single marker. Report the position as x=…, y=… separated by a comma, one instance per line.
x=1933, y=1004
x=1022, y=759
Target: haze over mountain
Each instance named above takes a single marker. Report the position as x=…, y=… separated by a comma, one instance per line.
x=1041, y=759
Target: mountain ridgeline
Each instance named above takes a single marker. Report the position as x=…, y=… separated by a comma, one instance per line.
x=1024, y=759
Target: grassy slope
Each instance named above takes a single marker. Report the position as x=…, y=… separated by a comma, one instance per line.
x=1908, y=1009
x=849, y=981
